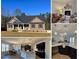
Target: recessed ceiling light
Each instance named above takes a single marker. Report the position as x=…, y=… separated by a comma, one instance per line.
x=65, y=33
x=55, y=33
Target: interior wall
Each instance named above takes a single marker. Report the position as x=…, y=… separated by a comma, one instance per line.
x=58, y=5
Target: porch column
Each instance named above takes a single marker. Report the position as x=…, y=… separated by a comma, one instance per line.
x=29, y=27
x=44, y=26
x=18, y=26
x=48, y=49
x=13, y=26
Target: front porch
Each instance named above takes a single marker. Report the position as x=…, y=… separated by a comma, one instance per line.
x=26, y=27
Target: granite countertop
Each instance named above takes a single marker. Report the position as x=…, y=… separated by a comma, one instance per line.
x=56, y=44
x=66, y=44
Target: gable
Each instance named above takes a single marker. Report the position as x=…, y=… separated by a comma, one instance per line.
x=14, y=21
x=37, y=20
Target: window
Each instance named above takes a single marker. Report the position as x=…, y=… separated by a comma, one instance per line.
x=40, y=25
x=72, y=39
x=5, y=47
x=33, y=25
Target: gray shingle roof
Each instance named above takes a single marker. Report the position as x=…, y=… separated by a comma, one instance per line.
x=28, y=19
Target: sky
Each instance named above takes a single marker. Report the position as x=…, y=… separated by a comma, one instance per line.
x=30, y=7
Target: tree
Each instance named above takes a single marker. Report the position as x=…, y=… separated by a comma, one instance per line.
x=23, y=14
x=17, y=12
x=46, y=15
x=47, y=21
x=4, y=20
x=48, y=26
x=5, y=12
x=2, y=11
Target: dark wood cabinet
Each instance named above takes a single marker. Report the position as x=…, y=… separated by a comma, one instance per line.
x=40, y=54
x=71, y=52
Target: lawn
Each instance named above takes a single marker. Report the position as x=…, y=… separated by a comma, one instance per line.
x=25, y=34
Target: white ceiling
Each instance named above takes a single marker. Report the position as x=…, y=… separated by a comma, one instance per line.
x=60, y=3
x=22, y=40
x=65, y=27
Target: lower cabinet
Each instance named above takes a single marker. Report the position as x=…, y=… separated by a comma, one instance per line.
x=71, y=52
x=40, y=54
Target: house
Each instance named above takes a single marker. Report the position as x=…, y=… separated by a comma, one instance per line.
x=26, y=23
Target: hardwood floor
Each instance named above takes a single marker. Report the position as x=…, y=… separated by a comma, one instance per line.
x=64, y=53
x=37, y=57
x=60, y=56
